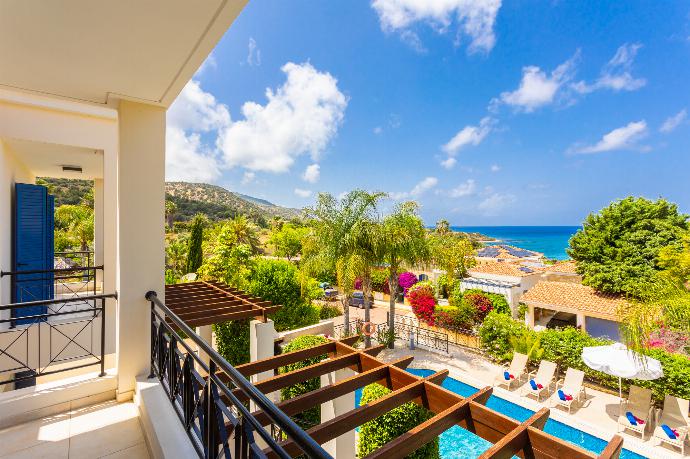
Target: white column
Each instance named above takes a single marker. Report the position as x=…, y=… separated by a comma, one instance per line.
x=342, y=447
x=140, y=237
x=261, y=344
x=530, y=316
x=206, y=333
x=580, y=321
x=98, y=229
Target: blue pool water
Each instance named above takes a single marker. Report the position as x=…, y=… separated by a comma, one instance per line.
x=457, y=442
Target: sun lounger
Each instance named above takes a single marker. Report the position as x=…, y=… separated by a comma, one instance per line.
x=571, y=388
x=636, y=411
x=514, y=372
x=541, y=380
x=673, y=422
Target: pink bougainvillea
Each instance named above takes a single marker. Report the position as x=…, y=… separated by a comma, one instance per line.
x=406, y=280
x=670, y=340
x=480, y=302
x=421, y=298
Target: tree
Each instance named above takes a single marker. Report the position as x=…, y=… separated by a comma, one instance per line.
x=675, y=261
x=442, y=226
x=195, y=254
x=617, y=250
x=170, y=211
x=75, y=223
x=330, y=245
x=229, y=262
x=404, y=242
x=453, y=253
x=244, y=232
x=287, y=240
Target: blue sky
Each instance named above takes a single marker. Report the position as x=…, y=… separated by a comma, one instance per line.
x=521, y=113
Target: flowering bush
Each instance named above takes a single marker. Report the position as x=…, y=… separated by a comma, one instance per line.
x=454, y=319
x=379, y=281
x=407, y=280
x=421, y=297
x=669, y=340
x=481, y=303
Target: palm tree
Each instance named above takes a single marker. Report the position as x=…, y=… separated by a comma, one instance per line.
x=332, y=243
x=77, y=223
x=244, y=232
x=404, y=242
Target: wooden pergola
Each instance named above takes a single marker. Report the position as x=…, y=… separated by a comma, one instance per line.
x=509, y=437
x=206, y=303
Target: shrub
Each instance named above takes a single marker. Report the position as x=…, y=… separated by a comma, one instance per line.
x=421, y=297
x=499, y=303
x=676, y=379
x=495, y=334
x=454, y=319
x=232, y=341
x=312, y=416
x=387, y=427
x=406, y=280
x=443, y=287
x=279, y=282
x=328, y=311
x=528, y=343
x=379, y=280
x=480, y=302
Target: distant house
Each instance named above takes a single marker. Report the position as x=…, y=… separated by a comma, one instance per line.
x=509, y=279
x=505, y=252
x=554, y=303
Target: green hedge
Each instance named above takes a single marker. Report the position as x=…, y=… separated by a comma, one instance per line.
x=232, y=340
x=328, y=311
x=376, y=433
x=564, y=347
x=312, y=416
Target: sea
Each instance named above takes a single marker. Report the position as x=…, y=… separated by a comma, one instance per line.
x=549, y=240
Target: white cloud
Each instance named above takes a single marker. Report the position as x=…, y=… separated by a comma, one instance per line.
x=253, y=53
x=493, y=204
x=449, y=162
x=537, y=88
x=464, y=189
x=301, y=117
x=378, y=130
x=469, y=135
x=674, y=121
x=420, y=188
x=248, y=177
x=620, y=138
x=473, y=18
x=193, y=114
x=495, y=168
x=616, y=74
x=209, y=63
x=312, y=173
x=302, y=193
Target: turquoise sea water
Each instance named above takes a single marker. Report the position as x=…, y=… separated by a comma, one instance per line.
x=549, y=240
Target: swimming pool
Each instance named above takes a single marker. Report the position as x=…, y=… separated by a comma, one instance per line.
x=457, y=442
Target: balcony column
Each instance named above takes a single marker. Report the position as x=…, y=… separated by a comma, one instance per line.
x=140, y=235
x=206, y=333
x=98, y=230
x=580, y=322
x=342, y=447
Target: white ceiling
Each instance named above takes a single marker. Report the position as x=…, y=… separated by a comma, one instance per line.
x=46, y=159
x=101, y=50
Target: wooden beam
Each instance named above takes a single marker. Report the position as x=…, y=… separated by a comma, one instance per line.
x=277, y=361
x=613, y=449
x=219, y=318
x=346, y=422
x=548, y=446
x=193, y=306
x=427, y=431
x=517, y=439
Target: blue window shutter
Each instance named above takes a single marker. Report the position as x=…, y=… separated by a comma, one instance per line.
x=30, y=248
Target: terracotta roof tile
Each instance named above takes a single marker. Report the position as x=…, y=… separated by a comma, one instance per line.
x=505, y=269
x=566, y=267
x=574, y=296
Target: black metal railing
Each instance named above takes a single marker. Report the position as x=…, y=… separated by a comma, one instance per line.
x=215, y=420
x=354, y=327
x=23, y=349
x=406, y=327
x=42, y=284
x=70, y=259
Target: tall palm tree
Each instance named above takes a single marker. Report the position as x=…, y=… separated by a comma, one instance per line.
x=244, y=231
x=404, y=242
x=332, y=245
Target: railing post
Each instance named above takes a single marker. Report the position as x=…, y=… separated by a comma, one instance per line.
x=102, y=337
x=210, y=416
x=172, y=368
x=153, y=340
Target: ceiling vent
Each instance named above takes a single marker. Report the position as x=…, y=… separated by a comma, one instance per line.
x=71, y=169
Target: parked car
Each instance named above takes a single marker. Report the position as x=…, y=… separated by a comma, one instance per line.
x=329, y=293
x=357, y=300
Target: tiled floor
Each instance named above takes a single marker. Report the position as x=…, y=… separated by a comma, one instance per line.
x=108, y=429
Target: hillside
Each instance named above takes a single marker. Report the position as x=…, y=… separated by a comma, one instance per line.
x=218, y=203
x=66, y=191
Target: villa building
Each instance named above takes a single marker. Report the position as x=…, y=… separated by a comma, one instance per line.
x=84, y=89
